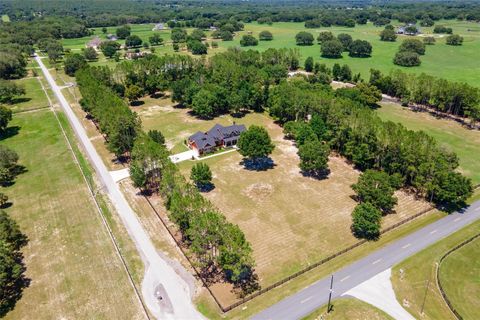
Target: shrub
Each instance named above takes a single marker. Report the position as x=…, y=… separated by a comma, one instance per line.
x=265, y=36
x=429, y=40
x=304, y=38
x=325, y=36
x=413, y=45
x=366, y=221
x=454, y=40
x=360, y=48
x=442, y=29
x=248, y=40
x=332, y=49
x=388, y=35
x=346, y=40
x=407, y=59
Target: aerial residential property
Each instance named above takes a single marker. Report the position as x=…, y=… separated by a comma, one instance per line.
x=221, y=159
x=215, y=138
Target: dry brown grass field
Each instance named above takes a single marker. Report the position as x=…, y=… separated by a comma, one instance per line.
x=290, y=220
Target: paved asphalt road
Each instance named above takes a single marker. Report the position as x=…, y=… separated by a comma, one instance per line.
x=313, y=297
x=159, y=274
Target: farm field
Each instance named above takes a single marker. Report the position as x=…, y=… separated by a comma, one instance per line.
x=459, y=273
x=450, y=134
x=410, y=278
x=349, y=309
x=69, y=255
x=289, y=219
x=457, y=63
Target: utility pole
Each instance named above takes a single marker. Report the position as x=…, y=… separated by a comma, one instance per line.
x=329, y=307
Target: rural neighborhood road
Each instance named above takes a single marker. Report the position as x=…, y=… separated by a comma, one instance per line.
x=313, y=297
x=160, y=277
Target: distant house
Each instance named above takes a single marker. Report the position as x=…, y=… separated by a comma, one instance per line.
x=135, y=55
x=94, y=43
x=217, y=137
x=409, y=30
x=158, y=26
x=213, y=28
x=112, y=37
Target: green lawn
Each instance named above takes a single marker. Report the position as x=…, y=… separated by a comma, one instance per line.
x=5, y=18
x=74, y=270
x=349, y=309
x=453, y=63
x=34, y=97
x=410, y=278
x=464, y=142
x=460, y=277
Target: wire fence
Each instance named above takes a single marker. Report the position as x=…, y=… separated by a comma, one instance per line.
x=290, y=277
x=439, y=283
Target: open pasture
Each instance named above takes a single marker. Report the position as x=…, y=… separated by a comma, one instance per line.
x=69, y=255
x=457, y=63
x=34, y=96
x=450, y=134
x=449, y=62
x=459, y=274
x=70, y=259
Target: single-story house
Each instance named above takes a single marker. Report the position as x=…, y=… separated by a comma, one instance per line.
x=94, y=43
x=159, y=26
x=409, y=30
x=217, y=137
x=135, y=55
x=112, y=37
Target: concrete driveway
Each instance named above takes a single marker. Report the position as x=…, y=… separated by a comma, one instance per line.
x=179, y=157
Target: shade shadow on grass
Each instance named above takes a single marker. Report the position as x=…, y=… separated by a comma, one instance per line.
x=258, y=164
x=9, y=132
x=137, y=103
x=320, y=175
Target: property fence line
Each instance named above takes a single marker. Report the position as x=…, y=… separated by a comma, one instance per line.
x=292, y=276
x=282, y=281
x=437, y=274
x=179, y=245
x=90, y=184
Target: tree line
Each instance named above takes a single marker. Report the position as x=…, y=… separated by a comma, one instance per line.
x=343, y=121
x=12, y=240
x=201, y=14
x=454, y=98
x=229, y=82
x=216, y=244
x=109, y=111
